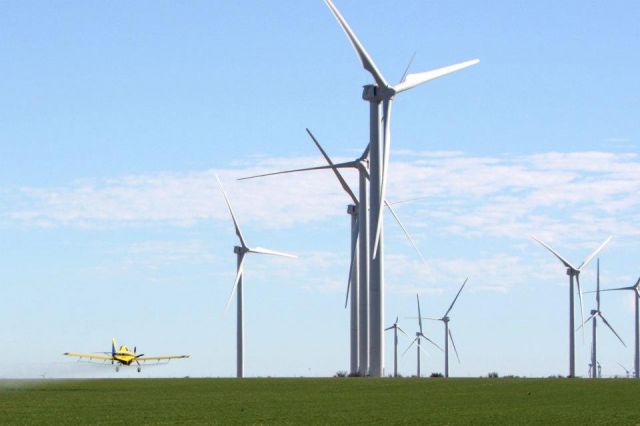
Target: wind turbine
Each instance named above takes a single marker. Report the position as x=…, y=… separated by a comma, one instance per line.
x=240, y=252
x=381, y=94
x=395, y=328
x=359, y=264
x=595, y=313
x=625, y=369
x=636, y=289
x=572, y=271
x=447, y=332
x=419, y=336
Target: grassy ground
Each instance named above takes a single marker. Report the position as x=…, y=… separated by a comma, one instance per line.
x=322, y=401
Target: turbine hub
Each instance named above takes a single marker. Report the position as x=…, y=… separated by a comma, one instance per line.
x=240, y=250
x=445, y=319
x=352, y=209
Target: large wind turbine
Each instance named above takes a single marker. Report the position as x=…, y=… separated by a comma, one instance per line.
x=358, y=276
x=636, y=292
x=395, y=328
x=595, y=314
x=420, y=335
x=240, y=252
x=447, y=332
x=381, y=94
x=572, y=271
x=359, y=264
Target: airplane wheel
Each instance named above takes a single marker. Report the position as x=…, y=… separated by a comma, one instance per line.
x=117, y=369
x=139, y=369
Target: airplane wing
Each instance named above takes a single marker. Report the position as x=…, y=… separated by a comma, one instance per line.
x=161, y=358
x=87, y=356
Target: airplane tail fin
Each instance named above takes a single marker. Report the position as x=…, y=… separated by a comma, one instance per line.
x=113, y=346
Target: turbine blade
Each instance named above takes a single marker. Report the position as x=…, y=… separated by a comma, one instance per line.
x=233, y=216
x=586, y=321
x=388, y=328
x=261, y=250
x=413, y=80
x=623, y=367
x=402, y=331
x=611, y=328
x=419, y=314
x=335, y=170
x=456, y=298
x=393, y=203
x=406, y=70
x=423, y=350
x=592, y=255
x=598, y=286
x=235, y=283
x=556, y=254
x=407, y=350
x=431, y=341
x=365, y=154
x=581, y=305
x=614, y=289
x=385, y=172
x=406, y=233
x=454, y=345
x=306, y=169
x=351, y=265
x=366, y=60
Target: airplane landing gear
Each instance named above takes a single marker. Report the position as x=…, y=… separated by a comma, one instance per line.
x=139, y=369
x=117, y=368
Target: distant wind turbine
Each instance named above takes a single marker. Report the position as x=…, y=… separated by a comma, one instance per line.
x=447, y=332
x=595, y=314
x=240, y=252
x=420, y=335
x=574, y=272
x=395, y=328
x=625, y=369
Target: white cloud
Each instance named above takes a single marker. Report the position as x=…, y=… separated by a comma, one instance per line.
x=554, y=195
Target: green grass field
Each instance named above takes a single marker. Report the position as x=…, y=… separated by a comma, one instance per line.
x=321, y=401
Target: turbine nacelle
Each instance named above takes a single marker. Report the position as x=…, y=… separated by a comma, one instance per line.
x=371, y=92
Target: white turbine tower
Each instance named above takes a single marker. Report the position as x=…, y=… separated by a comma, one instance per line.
x=359, y=265
x=240, y=252
x=572, y=271
x=636, y=293
x=381, y=94
x=419, y=335
x=595, y=314
x=447, y=332
x=395, y=328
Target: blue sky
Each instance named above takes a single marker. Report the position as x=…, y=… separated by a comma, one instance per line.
x=114, y=117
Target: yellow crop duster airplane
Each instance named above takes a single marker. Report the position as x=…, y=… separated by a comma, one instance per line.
x=124, y=356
